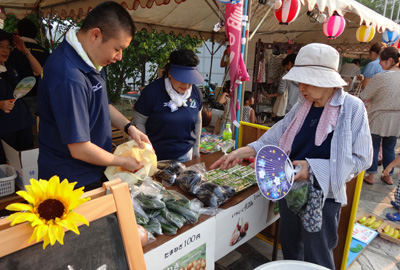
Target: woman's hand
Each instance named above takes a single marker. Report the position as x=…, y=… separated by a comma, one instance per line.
x=226, y=161
x=303, y=173
x=6, y=105
x=20, y=45
x=388, y=169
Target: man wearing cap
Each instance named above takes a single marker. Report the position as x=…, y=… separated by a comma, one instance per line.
x=75, y=139
x=327, y=133
x=169, y=109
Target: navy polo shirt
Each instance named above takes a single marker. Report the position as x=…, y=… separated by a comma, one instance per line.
x=304, y=143
x=171, y=133
x=19, y=117
x=73, y=108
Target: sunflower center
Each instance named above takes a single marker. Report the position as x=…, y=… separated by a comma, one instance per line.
x=51, y=209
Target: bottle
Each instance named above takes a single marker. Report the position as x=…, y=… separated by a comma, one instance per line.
x=227, y=133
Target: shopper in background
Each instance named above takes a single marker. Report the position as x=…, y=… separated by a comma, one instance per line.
x=384, y=112
x=169, y=109
x=15, y=118
x=351, y=69
x=248, y=114
x=28, y=31
x=373, y=67
x=326, y=133
x=75, y=140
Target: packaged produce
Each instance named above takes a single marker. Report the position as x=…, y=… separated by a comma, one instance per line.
x=174, y=218
x=190, y=215
x=188, y=180
x=298, y=196
x=173, y=166
x=141, y=216
x=149, y=202
x=167, y=227
x=175, y=197
x=166, y=176
x=214, y=195
x=153, y=226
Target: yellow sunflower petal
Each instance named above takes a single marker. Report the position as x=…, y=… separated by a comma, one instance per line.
x=22, y=217
x=37, y=189
x=36, y=222
x=43, y=184
x=76, y=218
x=72, y=226
x=46, y=241
x=28, y=197
x=52, y=233
x=52, y=186
x=34, y=235
x=60, y=235
x=63, y=222
x=41, y=231
x=19, y=207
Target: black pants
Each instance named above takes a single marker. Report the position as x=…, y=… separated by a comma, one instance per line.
x=19, y=140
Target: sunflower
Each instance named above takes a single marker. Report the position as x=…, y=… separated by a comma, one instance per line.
x=50, y=209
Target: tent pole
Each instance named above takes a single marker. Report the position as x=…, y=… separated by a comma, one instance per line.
x=243, y=49
x=259, y=24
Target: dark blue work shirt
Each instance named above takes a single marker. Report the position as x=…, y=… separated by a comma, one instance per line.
x=73, y=108
x=171, y=133
x=304, y=143
x=19, y=117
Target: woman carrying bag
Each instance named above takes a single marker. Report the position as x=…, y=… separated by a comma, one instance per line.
x=327, y=133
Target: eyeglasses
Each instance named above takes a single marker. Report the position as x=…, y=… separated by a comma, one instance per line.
x=6, y=48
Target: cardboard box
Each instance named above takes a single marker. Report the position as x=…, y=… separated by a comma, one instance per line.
x=24, y=163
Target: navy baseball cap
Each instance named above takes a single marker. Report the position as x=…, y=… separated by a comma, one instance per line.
x=185, y=74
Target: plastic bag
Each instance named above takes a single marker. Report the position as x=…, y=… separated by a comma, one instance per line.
x=174, y=218
x=145, y=155
x=214, y=195
x=141, y=216
x=153, y=226
x=198, y=207
x=297, y=197
x=190, y=215
x=189, y=180
x=173, y=166
x=175, y=197
x=168, y=177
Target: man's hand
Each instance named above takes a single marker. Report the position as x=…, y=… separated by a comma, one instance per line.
x=6, y=105
x=131, y=164
x=138, y=136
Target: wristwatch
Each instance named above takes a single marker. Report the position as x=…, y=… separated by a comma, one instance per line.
x=127, y=127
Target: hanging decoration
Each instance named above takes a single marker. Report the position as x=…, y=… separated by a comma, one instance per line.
x=334, y=26
x=390, y=37
x=397, y=44
x=229, y=1
x=365, y=33
x=288, y=11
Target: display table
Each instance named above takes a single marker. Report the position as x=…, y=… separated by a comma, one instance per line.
x=212, y=235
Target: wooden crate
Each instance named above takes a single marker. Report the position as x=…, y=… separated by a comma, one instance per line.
x=368, y=215
x=118, y=137
x=384, y=235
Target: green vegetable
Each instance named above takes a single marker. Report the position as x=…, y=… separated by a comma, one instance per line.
x=141, y=219
x=166, y=226
x=356, y=249
x=190, y=215
x=174, y=218
x=297, y=197
x=154, y=226
x=149, y=203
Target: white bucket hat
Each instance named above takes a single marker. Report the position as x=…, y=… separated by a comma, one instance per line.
x=316, y=64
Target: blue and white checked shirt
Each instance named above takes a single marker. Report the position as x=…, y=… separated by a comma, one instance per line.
x=351, y=146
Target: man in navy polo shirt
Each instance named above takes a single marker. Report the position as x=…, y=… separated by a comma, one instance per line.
x=75, y=115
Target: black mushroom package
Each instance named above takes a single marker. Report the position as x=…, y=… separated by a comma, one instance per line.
x=210, y=194
x=168, y=170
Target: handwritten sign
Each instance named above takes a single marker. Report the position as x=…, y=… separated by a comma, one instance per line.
x=363, y=233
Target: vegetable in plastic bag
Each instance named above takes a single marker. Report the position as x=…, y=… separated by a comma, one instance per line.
x=166, y=226
x=214, y=195
x=174, y=218
x=149, y=202
x=190, y=215
x=166, y=176
x=141, y=216
x=176, y=197
x=188, y=180
x=297, y=197
x=153, y=226
x=174, y=166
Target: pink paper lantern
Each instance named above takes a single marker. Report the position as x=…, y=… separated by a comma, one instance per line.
x=334, y=26
x=288, y=11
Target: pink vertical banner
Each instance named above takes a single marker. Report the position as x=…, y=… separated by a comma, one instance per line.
x=233, y=29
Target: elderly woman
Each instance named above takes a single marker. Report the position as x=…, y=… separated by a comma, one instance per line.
x=169, y=109
x=327, y=133
x=384, y=112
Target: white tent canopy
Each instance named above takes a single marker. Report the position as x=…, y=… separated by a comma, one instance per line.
x=197, y=17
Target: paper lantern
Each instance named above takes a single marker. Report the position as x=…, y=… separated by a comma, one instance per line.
x=334, y=26
x=390, y=37
x=288, y=12
x=233, y=2
x=397, y=44
x=365, y=33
